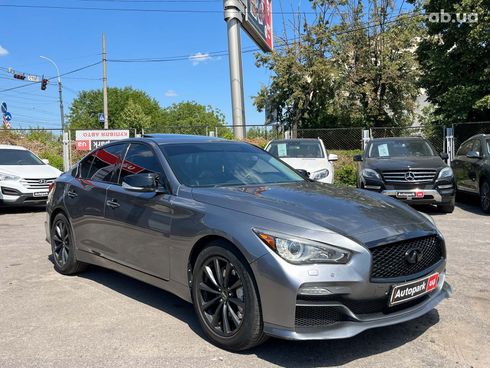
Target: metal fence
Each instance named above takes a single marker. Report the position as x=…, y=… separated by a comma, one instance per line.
x=335, y=138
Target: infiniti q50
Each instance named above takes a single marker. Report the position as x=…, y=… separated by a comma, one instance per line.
x=258, y=249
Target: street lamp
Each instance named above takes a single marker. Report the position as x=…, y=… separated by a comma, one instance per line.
x=66, y=142
x=59, y=91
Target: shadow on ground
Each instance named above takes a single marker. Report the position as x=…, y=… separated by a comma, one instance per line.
x=280, y=352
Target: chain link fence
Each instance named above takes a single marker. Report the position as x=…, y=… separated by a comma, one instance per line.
x=335, y=138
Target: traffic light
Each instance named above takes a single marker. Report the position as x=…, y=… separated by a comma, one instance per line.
x=19, y=76
x=44, y=84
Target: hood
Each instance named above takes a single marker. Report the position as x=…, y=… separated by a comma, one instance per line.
x=403, y=163
x=317, y=206
x=309, y=164
x=31, y=171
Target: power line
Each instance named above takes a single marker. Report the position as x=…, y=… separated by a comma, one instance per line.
x=140, y=10
x=61, y=75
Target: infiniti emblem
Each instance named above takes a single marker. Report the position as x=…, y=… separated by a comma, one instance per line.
x=409, y=176
x=413, y=256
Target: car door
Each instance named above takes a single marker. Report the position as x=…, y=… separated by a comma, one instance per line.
x=139, y=222
x=474, y=165
x=85, y=196
x=461, y=167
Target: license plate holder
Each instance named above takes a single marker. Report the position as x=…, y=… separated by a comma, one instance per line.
x=410, y=290
x=40, y=194
x=405, y=195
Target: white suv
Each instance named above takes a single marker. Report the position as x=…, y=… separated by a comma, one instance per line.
x=24, y=177
x=305, y=154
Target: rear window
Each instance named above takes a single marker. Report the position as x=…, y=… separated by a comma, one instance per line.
x=296, y=149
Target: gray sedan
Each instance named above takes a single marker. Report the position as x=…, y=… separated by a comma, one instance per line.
x=257, y=248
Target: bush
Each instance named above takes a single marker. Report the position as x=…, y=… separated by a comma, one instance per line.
x=345, y=168
x=55, y=159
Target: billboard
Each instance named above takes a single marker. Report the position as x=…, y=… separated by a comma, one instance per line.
x=258, y=23
x=87, y=140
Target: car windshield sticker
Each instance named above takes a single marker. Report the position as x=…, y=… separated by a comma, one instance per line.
x=282, y=150
x=383, y=150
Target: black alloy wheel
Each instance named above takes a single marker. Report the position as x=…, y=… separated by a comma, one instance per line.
x=63, y=247
x=485, y=196
x=225, y=298
x=221, y=296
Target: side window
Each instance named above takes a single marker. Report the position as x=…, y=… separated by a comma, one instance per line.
x=106, y=163
x=140, y=159
x=477, y=146
x=84, y=167
x=465, y=148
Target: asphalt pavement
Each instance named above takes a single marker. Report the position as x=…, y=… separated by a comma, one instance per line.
x=104, y=319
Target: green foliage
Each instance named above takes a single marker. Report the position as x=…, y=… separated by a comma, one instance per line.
x=55, y=158
x=345, y=168
x=344, y=73
x=455, y=60
x=346, y=175
x=122, y=102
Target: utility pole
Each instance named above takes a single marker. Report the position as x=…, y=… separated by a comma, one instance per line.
x=66, y=156
x=104, y=81
x=234, y=13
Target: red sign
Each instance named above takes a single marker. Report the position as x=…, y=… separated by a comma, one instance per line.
x=258, y=23
x=83, y=145
x=432, y=283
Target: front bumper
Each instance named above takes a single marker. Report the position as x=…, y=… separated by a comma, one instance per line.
x=345, y=329
x=22, y=199
x=355, y=303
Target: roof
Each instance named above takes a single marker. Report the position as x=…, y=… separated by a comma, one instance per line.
x=181, y=138
x=396, y=138
x=8, y=146
x=295, y=140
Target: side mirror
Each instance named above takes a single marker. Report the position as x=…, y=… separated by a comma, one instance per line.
x=333, y=157
x=473, y=154
x=303, y=173
x=357, y=158
x=45, y=160
x=444, y=155
x=141, y=182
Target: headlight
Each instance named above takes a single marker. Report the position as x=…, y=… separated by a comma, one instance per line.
x=319, y=175
x=370, y=174
x=303, y=251
x=8, y=177
x=447, y=172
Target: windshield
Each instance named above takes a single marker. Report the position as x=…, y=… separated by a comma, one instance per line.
x=223, y=163
x=400, y=148
x=18, y=157
x=296, y=149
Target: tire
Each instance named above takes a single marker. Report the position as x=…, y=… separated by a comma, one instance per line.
x=447, y=207
x=485, y=196
x=226, y=302
x=63, y=247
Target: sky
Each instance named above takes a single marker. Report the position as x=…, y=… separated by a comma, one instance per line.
x=72, y=38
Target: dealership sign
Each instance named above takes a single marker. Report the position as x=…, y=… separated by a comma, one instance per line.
x=87, y=140
x=258, y=23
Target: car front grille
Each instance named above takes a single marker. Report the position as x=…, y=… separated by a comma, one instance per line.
x=317, y=316
x=409, y=176
x=390, y=260
x=37, y=184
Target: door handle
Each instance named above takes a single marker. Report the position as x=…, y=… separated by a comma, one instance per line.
x=72, y=194
x=113, y=203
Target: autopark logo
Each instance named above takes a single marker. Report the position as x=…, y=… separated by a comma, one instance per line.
x=443, y=17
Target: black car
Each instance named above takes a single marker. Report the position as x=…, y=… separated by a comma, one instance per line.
x=472, y=168
x=409, y=169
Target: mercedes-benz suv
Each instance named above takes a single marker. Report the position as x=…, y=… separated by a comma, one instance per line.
x=408, y=169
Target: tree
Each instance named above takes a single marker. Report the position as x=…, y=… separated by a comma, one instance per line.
x=190, y=117
x=84, y=110
x=455, y=60
x=357, y=71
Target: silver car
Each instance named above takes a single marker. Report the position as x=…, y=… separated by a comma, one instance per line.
x=256, y=247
